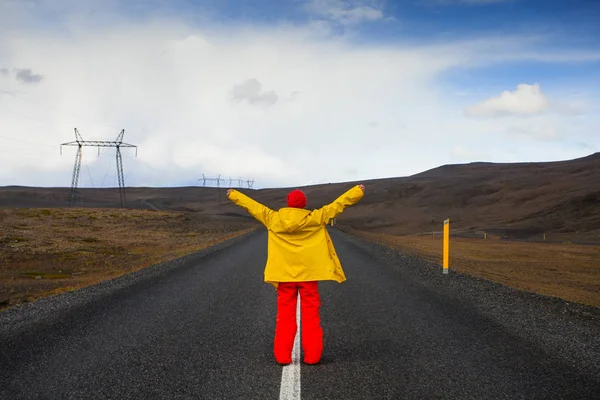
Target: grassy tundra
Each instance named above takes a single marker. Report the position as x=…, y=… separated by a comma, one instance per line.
x=48, y=251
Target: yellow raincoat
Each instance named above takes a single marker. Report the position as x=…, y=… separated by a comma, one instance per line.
x=299, y=246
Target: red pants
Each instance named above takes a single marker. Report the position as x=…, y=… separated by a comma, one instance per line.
x=286, y=327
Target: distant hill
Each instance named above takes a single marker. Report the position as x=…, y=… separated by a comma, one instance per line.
x=516, y=200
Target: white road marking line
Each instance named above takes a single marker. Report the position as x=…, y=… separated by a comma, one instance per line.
x=290, y=377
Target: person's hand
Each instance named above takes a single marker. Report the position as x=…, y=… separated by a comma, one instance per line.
x=362, y=187
x=229, y=191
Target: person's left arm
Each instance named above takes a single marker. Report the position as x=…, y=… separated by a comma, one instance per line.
x=254, y=208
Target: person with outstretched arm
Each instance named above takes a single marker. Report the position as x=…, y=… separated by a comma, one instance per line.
x=300, y=254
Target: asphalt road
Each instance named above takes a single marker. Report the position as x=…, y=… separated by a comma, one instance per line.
x=202, y=328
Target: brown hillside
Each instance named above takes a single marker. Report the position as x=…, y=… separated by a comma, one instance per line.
x=514, y=200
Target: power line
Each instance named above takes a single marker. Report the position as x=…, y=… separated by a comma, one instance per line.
x=25, y=153
x=105, y=174
x=27, y=142
x=89, y=174
x=36, y=120
x=55, y=108
x=218, y=180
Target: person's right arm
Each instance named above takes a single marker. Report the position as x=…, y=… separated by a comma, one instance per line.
x=324, y=214
x=254, y=208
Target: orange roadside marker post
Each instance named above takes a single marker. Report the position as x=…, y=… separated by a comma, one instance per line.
x=446, y=245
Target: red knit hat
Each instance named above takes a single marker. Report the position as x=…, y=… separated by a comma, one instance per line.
x=296, y=199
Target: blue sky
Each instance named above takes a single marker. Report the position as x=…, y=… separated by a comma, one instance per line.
x=295, y=92
x=572, y=21
x=569, y=22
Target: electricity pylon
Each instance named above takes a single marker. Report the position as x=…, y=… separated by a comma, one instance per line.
x=218, y=180
x=79, y=142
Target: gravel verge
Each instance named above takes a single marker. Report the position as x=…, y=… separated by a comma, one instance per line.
x=565, y=329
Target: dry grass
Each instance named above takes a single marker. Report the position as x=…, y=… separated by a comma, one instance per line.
x=568, y=271
x=48, y=251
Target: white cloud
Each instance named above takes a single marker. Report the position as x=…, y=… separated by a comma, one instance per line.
x=27, y=76
x=171, y=88
x=251, y=92
x=571, y=57
x=544, y=132
x=171, y=92
x=525, y=100
x=345, y=12
x=490, y=50
x=462, y=153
